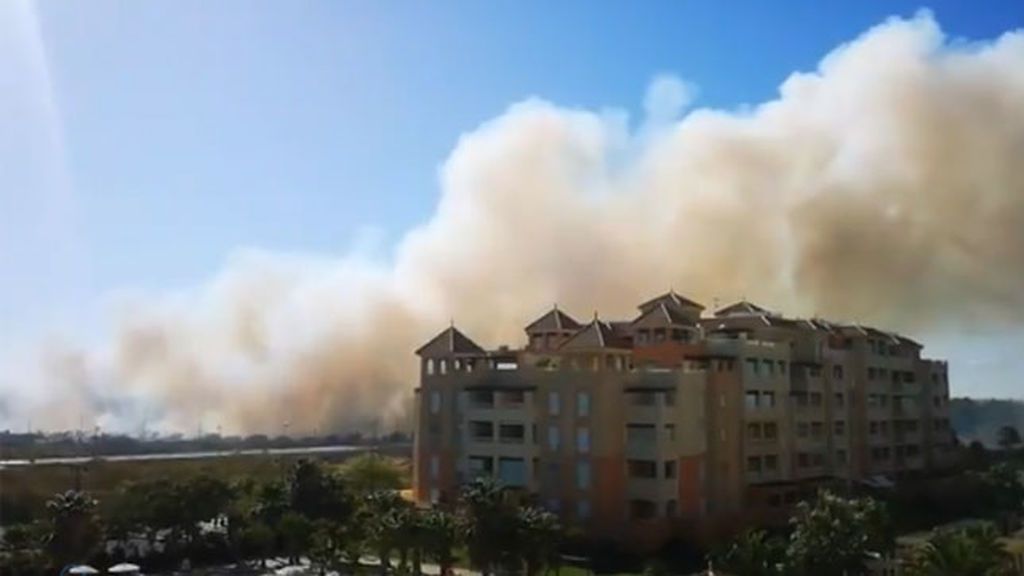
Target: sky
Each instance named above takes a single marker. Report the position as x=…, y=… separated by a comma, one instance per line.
x=142, y=144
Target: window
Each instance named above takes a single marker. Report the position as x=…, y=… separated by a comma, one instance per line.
x=512, y=471
x=752, y=363
x=642, y=509
x=583, y=475
x=754, y=431
x=511, y=433
x=670, y=431
x=803, y=460
x=671, y=509
x=837, y=372
x=554, y=440
x=839, y=428
x=435, y=495
x=583, y=440
x=840, y=400
x=670, y=398
x=769, y=367
x=815, y=398
x=582, y=404
x=641, y=434
x=768, y=399
x=513, y=397
x=481, y=431
x=817, y=429
x=771, y=463
x=435, y=467
x=782, y=367
x=554, y=404
x=481, y=465
x=670, y=469
x=481, y=398
x=430, y=367
x=817, y=460
x=444, y=366
x=435, y=402
x=751, y=399
x=802, y=429
x=771, y=431
x=642, y=398
x=583, y=509
x=642, y=468
x=840, y=457
x=754, y=464
x=873, y=428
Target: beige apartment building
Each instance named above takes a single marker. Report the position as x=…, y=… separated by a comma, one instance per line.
x=678, y=422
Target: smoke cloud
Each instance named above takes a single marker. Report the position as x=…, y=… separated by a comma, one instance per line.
x=887, y=187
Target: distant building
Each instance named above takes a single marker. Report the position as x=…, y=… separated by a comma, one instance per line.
x=677, y=422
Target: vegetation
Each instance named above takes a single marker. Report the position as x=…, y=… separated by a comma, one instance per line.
x=973, y=551
x=982, y=420
x=332, y=517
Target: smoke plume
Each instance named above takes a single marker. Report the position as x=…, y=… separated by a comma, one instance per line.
x=887, y=187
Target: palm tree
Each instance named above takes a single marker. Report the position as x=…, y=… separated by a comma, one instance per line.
x=537, y=539
x=973, y=551
x=441, y=536
x=489, y=520
x=754, y=553
x=75, y=533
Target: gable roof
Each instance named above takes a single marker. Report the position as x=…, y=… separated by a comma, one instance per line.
x=597, y=334
x=554, y=321
x=671, y=299
x=745, y=308
x=451, y=342
x=662, y=315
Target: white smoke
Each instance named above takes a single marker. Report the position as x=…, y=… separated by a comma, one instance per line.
x=887, y=186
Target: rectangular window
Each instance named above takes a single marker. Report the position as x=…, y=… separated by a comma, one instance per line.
x=641, y=434
x=583, y=475
x=840, y=457
x=769, y=367
x=512, y=471
x=670, y=469
x=481, y=465
x=753, y=365
x=768, y=399
x=583, y=509
x=803, y=460
x=815, y=398
x=511, y=433
x=754, y=464
x=817, y=429
x=481, y=398
x=554, y=404
x=554, y=440
x=642, y=509
x=840, y=400
x=582, y=404
x=771, y=463
x=435, y=402
x=670, y=432
x=754, y=431
x=750, y=399
x=839, y=428
x=802, y=429
x=435, y=467
x=481, y=431
x=771, y=431
x=873, y=428
x=642, y=468
x=782, y=367
x=583, y=440
x=671, y=509
x=670, y=398
x=642, y=399
x=837, y=372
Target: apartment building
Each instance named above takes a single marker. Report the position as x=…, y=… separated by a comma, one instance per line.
x=678, y=421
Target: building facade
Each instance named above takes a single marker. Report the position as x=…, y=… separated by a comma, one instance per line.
x=677, y=422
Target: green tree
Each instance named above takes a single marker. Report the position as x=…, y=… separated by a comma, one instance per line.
x=296, y=534
x=441, y=537
x=835, y=535
x=75, y=533
x=538, y=539
x=371, y=472
x=325, y=547
x=974, y=551
x=257, y=541
x=315, y=493
x=1009, y=437
x=1004, y=494
x=489, y=519
x=753, y=553
x=20, y=554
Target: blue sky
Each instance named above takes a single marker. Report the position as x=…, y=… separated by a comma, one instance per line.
x=183, y=131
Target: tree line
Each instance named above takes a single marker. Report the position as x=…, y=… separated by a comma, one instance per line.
x=332, y=520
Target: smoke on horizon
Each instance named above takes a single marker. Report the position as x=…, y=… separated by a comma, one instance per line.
x=887, y=186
